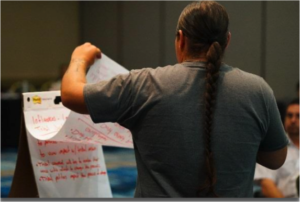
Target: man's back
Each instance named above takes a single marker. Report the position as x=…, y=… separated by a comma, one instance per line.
x=167, y=126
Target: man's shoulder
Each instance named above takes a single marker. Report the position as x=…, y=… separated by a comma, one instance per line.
x=160, y=71
x=242, y=74
x=245, y=81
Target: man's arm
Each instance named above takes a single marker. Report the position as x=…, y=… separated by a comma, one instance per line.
x=272, y=160
x=74, y=79
x=269, y=189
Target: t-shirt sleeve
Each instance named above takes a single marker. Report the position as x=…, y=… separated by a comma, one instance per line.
x=109, y=101
x=275, y=137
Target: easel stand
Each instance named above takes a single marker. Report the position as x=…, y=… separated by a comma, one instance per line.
x=23, y=184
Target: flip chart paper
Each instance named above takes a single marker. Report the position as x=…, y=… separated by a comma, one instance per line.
x=66, y=147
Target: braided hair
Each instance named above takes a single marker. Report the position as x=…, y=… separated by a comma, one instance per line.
x=205, y=24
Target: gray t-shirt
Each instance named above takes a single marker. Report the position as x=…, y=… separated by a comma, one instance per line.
x=164, y=110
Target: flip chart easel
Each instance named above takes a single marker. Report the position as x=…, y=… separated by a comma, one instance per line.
x=50, y=163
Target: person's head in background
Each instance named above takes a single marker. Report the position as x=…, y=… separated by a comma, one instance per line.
x=202, y=35
x=297, y=87
x=291, y=122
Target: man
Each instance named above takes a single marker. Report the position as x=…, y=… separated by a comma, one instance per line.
x=283, y=182
x=186, y=143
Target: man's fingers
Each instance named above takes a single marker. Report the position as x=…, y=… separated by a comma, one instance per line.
x=98, y=53
x=87, y=52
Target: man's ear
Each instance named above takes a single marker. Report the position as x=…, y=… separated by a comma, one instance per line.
x=228, y=39
x=181, y=38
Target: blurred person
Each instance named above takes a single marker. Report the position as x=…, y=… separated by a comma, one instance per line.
x=283, y=182
x=20, y=87
x=198, y=126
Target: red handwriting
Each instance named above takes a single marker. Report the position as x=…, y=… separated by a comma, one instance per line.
x=96, y=133
x=92, y=148
x=99, y=132
x=103, y=125
x=78, y=168
x=87, y=139
x=42, y=128
x=67, y=150
x=46, y=119
x=87, y=161
x=102, y=173
x=77, y=132
x=45, y=178
x=95, y=166
x=49, y=142
x=119, y=136
x=46, y=142
x=44, y=164
x=64, y=169
x=53, y=170
x=40, y=143
x=44, y=171
x=79, y=174
x=57, y=163
x=51, y=153
x=40, y=119
x=60, y=177
x=64, y=151
x=90, y=174
x=70, y=138
x=42, y=154
x=74, y=176
x=70, y=168
x=82, y=148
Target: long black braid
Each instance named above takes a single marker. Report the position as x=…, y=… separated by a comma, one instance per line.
x=205, y=24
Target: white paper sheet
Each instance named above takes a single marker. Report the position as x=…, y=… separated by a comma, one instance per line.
x=66, y=147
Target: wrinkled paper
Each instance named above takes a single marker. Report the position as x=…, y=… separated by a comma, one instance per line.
x=66, y=147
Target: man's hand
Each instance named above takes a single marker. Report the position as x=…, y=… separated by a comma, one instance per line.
x=85, y=55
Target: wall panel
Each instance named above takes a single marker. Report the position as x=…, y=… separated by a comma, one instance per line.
x=36, y=38
x=100, y=26
x=244, y=50
x=141, y=34
x=172, y=12
x=282, y=48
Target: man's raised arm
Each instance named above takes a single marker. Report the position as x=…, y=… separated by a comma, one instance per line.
x=74, y=79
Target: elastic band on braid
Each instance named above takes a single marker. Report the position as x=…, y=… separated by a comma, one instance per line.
x=214, y=55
